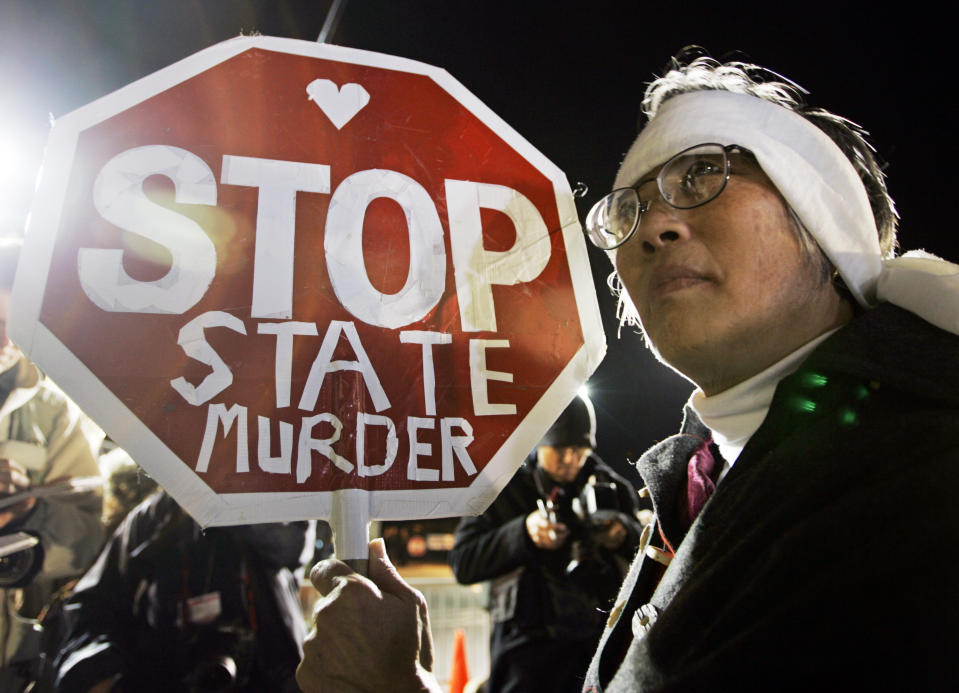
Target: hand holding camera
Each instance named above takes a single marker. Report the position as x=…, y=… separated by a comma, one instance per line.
x=13, y=479
x=610, y=534
x=543, y=529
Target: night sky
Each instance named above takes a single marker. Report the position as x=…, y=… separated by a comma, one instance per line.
x=568, y=76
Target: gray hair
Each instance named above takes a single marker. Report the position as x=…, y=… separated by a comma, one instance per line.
x=705, y=73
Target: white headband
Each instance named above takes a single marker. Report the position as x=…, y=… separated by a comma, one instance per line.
x=817, y=181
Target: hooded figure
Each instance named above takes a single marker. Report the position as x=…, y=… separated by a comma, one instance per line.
x=554, y=546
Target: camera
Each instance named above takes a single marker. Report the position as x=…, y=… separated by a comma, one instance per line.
x=597, y=503
x=20, y=558
x=218, y=658
x=594, y=508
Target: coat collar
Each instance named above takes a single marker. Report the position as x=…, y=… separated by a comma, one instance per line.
x=887, y=347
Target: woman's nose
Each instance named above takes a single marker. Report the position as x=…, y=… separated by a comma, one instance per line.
x=661, y=225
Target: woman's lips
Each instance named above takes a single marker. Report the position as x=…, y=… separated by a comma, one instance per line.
x=671, y=278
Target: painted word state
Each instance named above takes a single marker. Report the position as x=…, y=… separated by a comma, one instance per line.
x=193, y=341
x=119, y=198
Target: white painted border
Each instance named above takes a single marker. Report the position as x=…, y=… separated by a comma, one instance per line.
x=178, y=478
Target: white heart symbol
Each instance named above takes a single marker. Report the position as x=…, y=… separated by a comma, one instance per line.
x=339, y=104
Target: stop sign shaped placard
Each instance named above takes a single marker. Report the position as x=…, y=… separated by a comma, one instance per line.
x=284, y=274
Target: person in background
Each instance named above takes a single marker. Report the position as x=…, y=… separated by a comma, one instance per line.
x=807, y=509
x=126, y=485
x=555, y=545
x=44, y=437
x=171, y=607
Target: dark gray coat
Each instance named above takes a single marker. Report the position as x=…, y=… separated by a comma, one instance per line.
x=828, y=558
x=127, y=614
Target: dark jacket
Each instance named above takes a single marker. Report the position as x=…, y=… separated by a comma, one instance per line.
x=533, y=598
x=828, y=558
x=131, y=613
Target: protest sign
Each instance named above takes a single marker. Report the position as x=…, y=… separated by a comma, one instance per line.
x=297, y=280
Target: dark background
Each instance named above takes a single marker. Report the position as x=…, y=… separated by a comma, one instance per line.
x=568, y=76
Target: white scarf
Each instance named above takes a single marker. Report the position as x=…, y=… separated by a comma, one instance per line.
x=818, y=182
x=733, y=415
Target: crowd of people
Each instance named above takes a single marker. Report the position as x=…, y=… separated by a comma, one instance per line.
x=800, y=531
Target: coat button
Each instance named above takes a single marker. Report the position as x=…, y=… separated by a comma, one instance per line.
x=643, y=620
x=659, y=555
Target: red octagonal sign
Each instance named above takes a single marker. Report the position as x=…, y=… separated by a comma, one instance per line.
x=291, y=277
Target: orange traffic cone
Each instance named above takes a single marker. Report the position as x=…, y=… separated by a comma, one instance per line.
x=459, y=672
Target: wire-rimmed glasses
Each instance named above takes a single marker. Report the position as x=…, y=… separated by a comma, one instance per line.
x=690, y=179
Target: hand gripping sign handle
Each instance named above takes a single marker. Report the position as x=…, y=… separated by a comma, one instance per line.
x=350, y=520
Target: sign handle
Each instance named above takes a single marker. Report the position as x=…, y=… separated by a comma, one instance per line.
x=350, y=521
x=331, y=21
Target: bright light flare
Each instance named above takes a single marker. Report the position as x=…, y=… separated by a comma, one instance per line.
x=12, y=161
x=20, y=155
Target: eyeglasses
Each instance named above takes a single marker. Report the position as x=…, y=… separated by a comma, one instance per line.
x=690, y=179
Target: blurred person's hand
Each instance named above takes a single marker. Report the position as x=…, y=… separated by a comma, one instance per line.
x=369, y=634
x=545, y=534
x=105, y=686
x=610, y=535
x=13, y=479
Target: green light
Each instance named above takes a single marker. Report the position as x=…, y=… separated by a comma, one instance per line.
x=848, y=417
x=803, y=404
x=862, y=392
x=814, y=380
